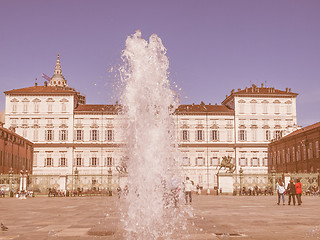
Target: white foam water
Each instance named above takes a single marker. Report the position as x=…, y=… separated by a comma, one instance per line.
x=153, y=210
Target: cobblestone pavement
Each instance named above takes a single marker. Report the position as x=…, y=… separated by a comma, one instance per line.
x=215, y=217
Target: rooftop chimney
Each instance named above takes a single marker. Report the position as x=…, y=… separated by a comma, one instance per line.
x=262, y=85
x=45, y=83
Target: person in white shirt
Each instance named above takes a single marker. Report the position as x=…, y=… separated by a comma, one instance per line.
x=188, y=186
x=281, y=190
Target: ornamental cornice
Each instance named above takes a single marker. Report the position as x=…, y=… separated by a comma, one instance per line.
x=40, y=94
x=75, y=145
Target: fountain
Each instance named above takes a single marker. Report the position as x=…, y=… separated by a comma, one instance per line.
x=152, y=209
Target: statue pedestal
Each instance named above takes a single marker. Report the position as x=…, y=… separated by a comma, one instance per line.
x=225, y=183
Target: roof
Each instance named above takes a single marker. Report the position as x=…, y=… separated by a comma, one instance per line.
x=301, y=130
x=16, y=135
x=42, y=90
x=255, y=91
x=97, y=108
x=181, y=110
x=203, y=109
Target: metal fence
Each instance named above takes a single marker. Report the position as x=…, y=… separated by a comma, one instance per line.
x=101, y=184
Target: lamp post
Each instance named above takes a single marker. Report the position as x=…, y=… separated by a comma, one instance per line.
x=109, y=181
x=76, y=176
x=273, y=173
x=10, y=182
x=241, y=180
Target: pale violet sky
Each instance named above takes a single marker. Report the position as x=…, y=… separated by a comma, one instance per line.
x=213, y=46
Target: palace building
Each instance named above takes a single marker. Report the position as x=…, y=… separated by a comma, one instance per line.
x=16, y=153
x=297, y=152
x=69, y=134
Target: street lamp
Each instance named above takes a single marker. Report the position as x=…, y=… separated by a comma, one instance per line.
x=76, y=176
x=10, y=182
x=109, y=181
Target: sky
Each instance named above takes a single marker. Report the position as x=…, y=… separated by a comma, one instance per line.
x=213, y=46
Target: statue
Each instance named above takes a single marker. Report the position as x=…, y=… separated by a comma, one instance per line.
x=227, y=164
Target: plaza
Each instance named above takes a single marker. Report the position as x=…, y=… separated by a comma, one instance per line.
x=213, y=217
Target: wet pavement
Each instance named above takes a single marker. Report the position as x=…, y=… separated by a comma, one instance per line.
x=214, y=217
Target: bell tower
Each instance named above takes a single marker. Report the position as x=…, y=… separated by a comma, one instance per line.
x=58, y=79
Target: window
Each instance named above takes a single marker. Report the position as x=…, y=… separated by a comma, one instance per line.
x=199, y=135
x=24, y=132
x=35, y=158
x=242, y=135
x=49, y=135
x=48, y=160
x=288, y=155
x=94, y=135
x=185, y=135
x=35, y=134
x=94, y=161
x=186, y=161
x=278, y=134
x=79, y=135
x=267, y=135
x=14, y=107
x=63, y=160
x=253, y=107
x=310, y=151
x=229, y=135
x=289, y=108
x=200, y=161
x=63, y=107
x=79, y=161
x=241, y=106
x=215, y=135
x=50, y=107
x=25, y=107
x=109, y=135
x=214, y=161
x=255, y=162
x=317, y=149
x=265, y=108
x=109, y=161
x=293, y=154
x=63, y=135
x=254, y=134
x=304, y=152
x=243, y=160
x=36, y=107
x=277, y=108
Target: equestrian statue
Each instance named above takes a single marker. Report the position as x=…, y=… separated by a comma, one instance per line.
x=227, y=165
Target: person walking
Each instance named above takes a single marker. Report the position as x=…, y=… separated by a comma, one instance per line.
x=292, y=192
x=188, y=190
x=281, y=191
x=298, y=191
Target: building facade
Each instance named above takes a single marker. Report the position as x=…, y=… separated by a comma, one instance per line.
x=69, y=134
x=16, y=153
x=297, y=152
